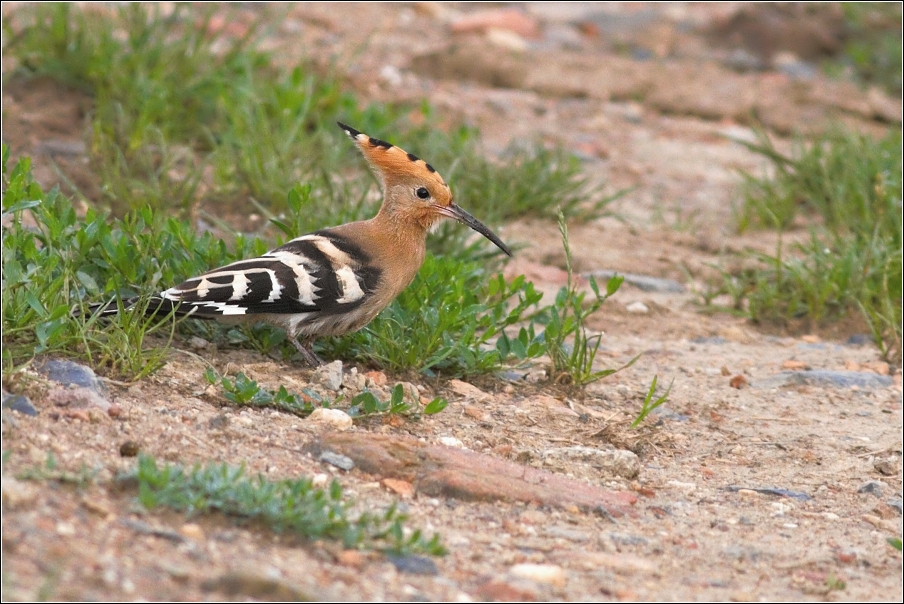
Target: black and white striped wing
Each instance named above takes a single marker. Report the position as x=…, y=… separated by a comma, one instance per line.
x=319, y=274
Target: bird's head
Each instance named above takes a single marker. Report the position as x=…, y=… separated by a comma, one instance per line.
x=414, y=192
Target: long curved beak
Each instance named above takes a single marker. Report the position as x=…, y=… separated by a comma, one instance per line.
x=454, y=211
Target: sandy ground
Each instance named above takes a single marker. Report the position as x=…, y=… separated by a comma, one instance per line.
x=783, y=489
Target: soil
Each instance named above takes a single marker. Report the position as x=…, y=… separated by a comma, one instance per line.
x=749, y=487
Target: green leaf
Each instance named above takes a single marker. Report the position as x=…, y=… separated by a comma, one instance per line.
x=435, y=406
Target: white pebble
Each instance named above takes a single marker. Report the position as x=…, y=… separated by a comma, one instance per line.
x=334, y=418
x=541, y=573
x=637, y=307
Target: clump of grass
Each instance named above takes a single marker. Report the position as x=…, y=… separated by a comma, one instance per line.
x=872, y=51
x=243, y=391
x=443, y=322
x=849, y=187
x=294, y=506
x=565, y=320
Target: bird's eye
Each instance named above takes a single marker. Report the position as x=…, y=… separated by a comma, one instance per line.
x=422, y=192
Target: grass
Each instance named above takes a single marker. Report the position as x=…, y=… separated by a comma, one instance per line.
x=848, y=188
x=293, y=506
x=224, y=127
x=872, y=52
x=649, y=404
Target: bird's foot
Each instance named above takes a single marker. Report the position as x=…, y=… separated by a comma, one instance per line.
x=309, y=356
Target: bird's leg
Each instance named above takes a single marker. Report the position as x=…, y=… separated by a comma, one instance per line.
x=312, y=359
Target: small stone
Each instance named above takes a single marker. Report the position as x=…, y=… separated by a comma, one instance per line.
x=795, y=365
x=873, y=487
x=509, y=19
x=17, y=493
x=329, y=375
x=475, y=412
x=413, y=565
x=69, y=373
x=351, y=557
x=684, y=486
x=320, y=480
x=192, y=531
x=218, y=422
x=725, y=371
x=129, y=448
x=467, y=390
x=399, y=487
x=748, y=493
x=378, y=378
x=504, y=591
x=550, y=574
x=77, y=398
x=610, y=462
x=888, y=467
x=198, y=343
x=20, y=404
x=738, y=381
x=451, y=441
x=335, y=459
x=114, y=411
x=641, y=282
x=896, y=505
x=535, y=375
x=637, y=307
x=819, y=377
x=332, y=418
x=65, y=529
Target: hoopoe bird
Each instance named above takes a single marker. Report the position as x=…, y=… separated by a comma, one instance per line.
x=336, y=280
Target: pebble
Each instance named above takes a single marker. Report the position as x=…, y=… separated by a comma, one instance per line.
x=20, y=404
x=414, y=565
x=403, y=488
x=335, y=459
x=192, y=531
x=332, y=418
x=351, y=557
x=642, y=282
x=320, y=480
x=129, y=448
x=888, y=467
x=873, y=487
x=550, y=574
x=819, y=377
x=637, y=307
x=610, y=462
x=17, y=493
x=78, y=397
x=329, y=375
x=896, y=504
x=68, y=373
x=497, y=590
x=467, y=390
x=198, y=343
x=451, y=441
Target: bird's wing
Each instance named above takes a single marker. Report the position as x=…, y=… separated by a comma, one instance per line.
x=318, y=273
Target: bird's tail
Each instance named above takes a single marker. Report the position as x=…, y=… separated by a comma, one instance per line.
x=150, y=307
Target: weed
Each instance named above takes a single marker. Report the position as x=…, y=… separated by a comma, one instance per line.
x=873, y=47
x=834, y=583
x=287, y=505
x=649, y=406
x=244, y=391
x=50, y=471
x=565, y=319
x=850, y=185
x=895, y=542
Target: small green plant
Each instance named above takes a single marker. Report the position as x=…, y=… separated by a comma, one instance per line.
x=243, y=391
x=895, y=542
x=649, y=404
x=566, y=318
x=50, y=471
x=834, y=583
x=366, y=403
x=294, y=506
x=850, y=189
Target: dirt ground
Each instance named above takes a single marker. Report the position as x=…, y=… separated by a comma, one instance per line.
x=783, y=489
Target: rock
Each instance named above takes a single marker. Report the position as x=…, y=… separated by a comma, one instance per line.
x=738, y=381
x=17, y=493
x=257, y=587
x=873, y=487
x=549, y=574
x=439, y=471
x=130, y=448
x=508, y=40
x=509, y=19
x=376, y=378
x=329, y=375
x=642, y=282
x=351, y=557
x=353, y=381
x=467, y=390
x=506, y=591
x=335, y=459
x=68, y=373
x=20, y=404
x=637, y=307
x=192, y=531
x=413, y=565
x=451, y=441
x=402, y=488
x=896, y=504
x=331, y=418
x=610, y=462
x=77, y=398
x=795, y=365
x=620, y=563
x=198, y=343
x=888, y=467
x=819, y=377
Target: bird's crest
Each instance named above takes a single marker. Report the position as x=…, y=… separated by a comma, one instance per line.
x=395, y=165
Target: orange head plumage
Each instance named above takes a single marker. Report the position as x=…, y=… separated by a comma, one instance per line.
x=413, y=190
